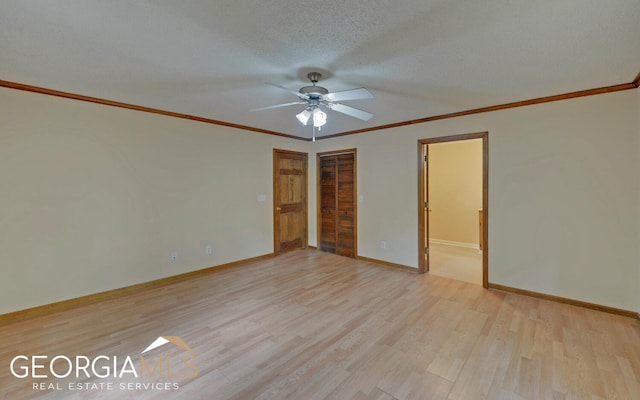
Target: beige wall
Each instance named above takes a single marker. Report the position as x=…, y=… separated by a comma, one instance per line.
x=563, y=195
x=455, y=191
x=95, y=198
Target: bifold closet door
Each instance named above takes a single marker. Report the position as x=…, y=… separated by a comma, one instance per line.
x=328, y=204
x=346, y=205
x=337, y=183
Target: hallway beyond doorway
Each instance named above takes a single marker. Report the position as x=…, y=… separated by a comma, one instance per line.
x=455, y=262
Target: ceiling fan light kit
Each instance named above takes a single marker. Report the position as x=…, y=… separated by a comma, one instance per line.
x=319, y=117
x=316, y=97
x=304, y=116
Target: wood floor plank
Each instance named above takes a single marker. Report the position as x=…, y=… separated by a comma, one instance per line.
x=311, y=325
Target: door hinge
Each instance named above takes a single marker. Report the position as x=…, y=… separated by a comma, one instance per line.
x=426, y=205
x=426, y=250
x=426, y=158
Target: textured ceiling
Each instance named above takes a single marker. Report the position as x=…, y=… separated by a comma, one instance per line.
x=420, y=58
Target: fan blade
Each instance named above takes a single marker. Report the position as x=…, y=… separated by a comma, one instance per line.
x=278, y=106
x=300, y=95
x=350, y=94
x=351, y=111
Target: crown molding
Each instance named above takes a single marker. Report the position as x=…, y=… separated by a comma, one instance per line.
x=547, y=99
x=97, y=100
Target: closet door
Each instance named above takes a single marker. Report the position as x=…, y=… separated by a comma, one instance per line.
x=328, y=204
x=336, y=197
x=346, y=205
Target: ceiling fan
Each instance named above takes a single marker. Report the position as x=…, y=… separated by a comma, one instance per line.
x=315, y=97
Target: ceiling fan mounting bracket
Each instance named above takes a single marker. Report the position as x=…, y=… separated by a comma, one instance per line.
x=314, y=92
x=314, y=77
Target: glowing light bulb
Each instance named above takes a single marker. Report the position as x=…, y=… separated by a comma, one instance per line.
x=319, y=118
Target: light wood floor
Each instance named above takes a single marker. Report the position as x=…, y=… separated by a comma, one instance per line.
x=309, y=325
x=455, y=262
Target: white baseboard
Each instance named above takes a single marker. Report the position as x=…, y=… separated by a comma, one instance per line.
x=452, y=243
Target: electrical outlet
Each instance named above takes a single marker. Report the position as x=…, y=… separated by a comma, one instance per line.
x=208, y=250
x=383, y=244
x=174, y=255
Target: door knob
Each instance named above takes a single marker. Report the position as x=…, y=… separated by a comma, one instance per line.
x=278, y=208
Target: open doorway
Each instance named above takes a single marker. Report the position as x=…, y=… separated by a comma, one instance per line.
x=453, y=197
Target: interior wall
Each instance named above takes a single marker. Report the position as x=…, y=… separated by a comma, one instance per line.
x=96, y=198
x=563, y=195
x=455, y=191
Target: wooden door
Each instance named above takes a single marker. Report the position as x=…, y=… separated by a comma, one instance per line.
x=328, y=204
x=337, y=214
x=345, y=194
x=289, y=200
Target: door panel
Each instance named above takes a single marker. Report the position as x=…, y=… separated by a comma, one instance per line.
x=290, y=224
x=290, y=200
x=328, y=204
x=346, y=205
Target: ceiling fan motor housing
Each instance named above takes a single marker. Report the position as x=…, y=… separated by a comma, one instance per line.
x=314, y=92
